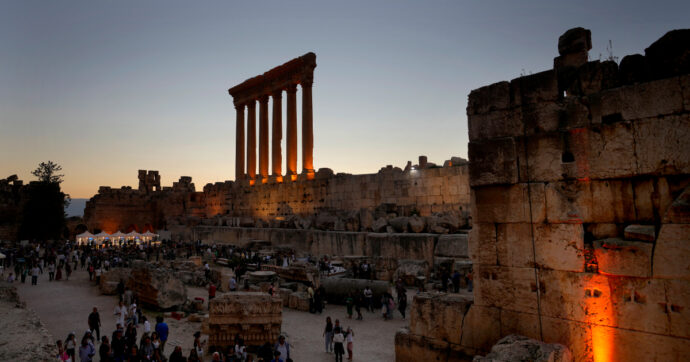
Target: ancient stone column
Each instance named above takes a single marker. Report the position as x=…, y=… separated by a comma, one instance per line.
x=277, y=136
x=239, y=143
x=251, y=140
x=307, y=130
x=263, y=138
x=291, y=131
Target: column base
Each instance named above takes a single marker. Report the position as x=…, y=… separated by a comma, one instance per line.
x=290, y=176
x=275, y=179
x=263, y=180
x=307, y=175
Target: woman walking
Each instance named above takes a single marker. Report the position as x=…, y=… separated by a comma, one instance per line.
x=328, y=334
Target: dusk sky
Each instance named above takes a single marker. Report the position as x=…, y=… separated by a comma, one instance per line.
x=107, y=88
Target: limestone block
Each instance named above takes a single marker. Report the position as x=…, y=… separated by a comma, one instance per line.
x=560, y=246
x=495, y=124
x=625, y=345
x=525, y=324
x=505, y=287
x=481, y=328
x=452, y=245
x=576, y=296
x=662, y=145
x=481, y=244
x=543, y=159
x=672, y=252
x=643, y=100
x=501, y=204
x=610, y=152
x=535, y=88
x=299, y=301
x=640, y=232
x=569, y=201
x=679, y=211
x=521, y=348
x=439, y=316
x=573, y=334
x=677, y=311
x=652, y=198
x=685, y=86
x=603, y=230
x=412, y=347
x=156, y=287
x=543, y=117
x=514, y=245
x=624, y=257
x=416, y=224
x=612, y=201
x=399, y=224
x=493, y=162
x=488, y=98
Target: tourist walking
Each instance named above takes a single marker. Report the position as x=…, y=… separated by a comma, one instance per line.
x=162, y=330
x=350, y=340
x=104, y=351
x=349, y=302
x=338, y=349
x=70, y=346
x=402, y=303
x=328, y=334
x=95, y=322
x=120, y=313
x=283, y=347
x=51, y=271
x=86, y=350
x=368, y=298
x=34, y=275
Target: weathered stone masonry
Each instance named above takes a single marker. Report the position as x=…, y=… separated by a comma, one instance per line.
x=580, y=197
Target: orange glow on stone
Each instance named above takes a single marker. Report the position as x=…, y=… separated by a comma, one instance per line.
x=600, y=317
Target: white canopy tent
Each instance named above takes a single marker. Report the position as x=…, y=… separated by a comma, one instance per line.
x=102, y=237
x=133, y=235
x=84, y=238
x=148, y=236
x=119, y=235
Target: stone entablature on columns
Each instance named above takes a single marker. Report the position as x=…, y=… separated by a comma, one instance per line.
x=299, y=71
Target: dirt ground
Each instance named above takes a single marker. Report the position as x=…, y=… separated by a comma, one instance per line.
x=64, y=306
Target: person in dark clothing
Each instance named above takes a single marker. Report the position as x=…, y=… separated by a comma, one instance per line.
x=104, y=351
x=402, y=304
x=118, y=346
x=456, y=281
x=95, y=323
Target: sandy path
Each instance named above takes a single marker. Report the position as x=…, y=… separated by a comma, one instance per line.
x=65, y=305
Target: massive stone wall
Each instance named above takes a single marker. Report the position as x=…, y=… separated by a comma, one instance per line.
x=331, y=202
x=580, y=197
x=580, y=222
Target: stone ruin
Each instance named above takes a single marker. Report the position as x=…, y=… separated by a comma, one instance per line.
x=580, y=197
x=149, y=181
x=156, y=287
x=255, y=317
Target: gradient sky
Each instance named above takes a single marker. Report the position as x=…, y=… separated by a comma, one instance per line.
x=107, y=88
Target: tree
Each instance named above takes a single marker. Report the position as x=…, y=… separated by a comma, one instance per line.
x=47, y=172
x=43, y=211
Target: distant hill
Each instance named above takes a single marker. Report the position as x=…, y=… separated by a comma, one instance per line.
x=76, y=207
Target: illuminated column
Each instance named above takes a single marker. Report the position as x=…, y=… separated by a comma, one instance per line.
x=291, y=131
x=277, y=136
x=251, y=140
x=263, y=138
x=239, y=143
x=307, y=130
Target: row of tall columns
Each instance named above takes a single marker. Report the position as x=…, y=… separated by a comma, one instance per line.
x=277, y=136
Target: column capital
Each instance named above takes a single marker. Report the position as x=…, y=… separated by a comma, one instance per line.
x=240, y=107
x=307, y=82
x=263, y=98
x=292, y=88
x=278, y=93
x=251, y=105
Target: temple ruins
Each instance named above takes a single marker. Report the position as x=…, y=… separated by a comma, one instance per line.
x=299, y=71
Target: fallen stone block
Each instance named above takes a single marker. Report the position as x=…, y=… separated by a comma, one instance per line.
x=623, y=257
x=640, y=232
x=520, y=348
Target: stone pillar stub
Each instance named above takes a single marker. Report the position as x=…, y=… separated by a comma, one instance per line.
x=251, y=140
x=291, y=141
x=239, y=142
x=263, y=138
x=277, y=136
x=307, y=130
